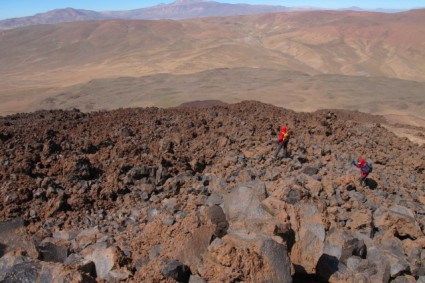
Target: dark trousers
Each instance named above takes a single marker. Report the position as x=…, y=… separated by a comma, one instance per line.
x=281, y=145
x=363, y=180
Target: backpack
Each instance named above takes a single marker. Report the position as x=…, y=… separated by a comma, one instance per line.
x=368, y=167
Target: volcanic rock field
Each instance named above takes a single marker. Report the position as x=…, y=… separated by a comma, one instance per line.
x=193, y=194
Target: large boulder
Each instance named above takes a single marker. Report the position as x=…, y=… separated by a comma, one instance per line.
x=107, y=259
x=361, y=221
x=9, y=261
x=53, y=250
x=78, y=262
x=339, y=246
x=86, y=237
x=310, y=240
x=25, y=270
x=400, y=218
x=214, y=224
x=14, y=237
x=244, y=202
x=394, y=253
x=377, y=265
x=227, y=258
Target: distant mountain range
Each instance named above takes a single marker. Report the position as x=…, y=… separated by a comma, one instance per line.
x=380, y=10
x=180, y=9
x=53, y=17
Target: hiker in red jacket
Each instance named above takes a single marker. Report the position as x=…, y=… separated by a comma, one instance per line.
x=283, y=141
x=365, y=169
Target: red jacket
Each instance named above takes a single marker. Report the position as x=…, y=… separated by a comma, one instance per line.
x=284, y=134
x=361, y=163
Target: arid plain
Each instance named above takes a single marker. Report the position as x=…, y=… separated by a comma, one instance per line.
x=371, y=62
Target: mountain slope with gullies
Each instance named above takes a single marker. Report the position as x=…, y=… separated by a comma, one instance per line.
x=40, y=62
x=193, y=193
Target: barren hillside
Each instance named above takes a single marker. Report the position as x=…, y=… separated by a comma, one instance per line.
x=293, y=90
x=166, y=195
x=38, y=62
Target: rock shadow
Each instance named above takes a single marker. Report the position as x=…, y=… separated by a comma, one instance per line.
x=371, y=183
x=301, y=276
x=328, y=265
x=2, y=249
x=289, y=238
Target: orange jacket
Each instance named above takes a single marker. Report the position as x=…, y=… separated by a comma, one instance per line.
x=284, y=134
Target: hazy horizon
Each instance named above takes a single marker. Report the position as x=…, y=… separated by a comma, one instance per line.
x=23, y=8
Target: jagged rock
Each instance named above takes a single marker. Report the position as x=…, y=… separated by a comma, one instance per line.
x=216, y=216
x=277, y=208
x=294, y=196
x=138, y=173
x=399, y=217
x=244, y=202
x=50, y=251
x=245, y=176
x=169, y=220
x=170, y=204
x=377, y=265
x=311, y=170
x=361, y=221
x=339, y=247
x=106, y=259
x=277, y=256
x=310, y=240
x=225, y=259
x=196, y=243
x=214, y=183
x=86, y=237
x=314, y=187
x=154, y=252
x=273, y=174
x=214, y=199
x=353, y=262
x=413, y=250
x=56, y=205
x=14, y=237
x=394, y=253
x=78, y=262
x=342, y=245
x=65, y=235
x=118, y=275
x=10, y=260
x=25, y=270
x=83, y=169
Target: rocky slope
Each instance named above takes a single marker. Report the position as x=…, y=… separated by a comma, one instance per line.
x=194, y=195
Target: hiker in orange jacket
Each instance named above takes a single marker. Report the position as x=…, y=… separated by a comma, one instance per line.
x=283, y=141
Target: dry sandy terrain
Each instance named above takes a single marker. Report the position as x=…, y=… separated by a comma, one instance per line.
x=292, y=90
